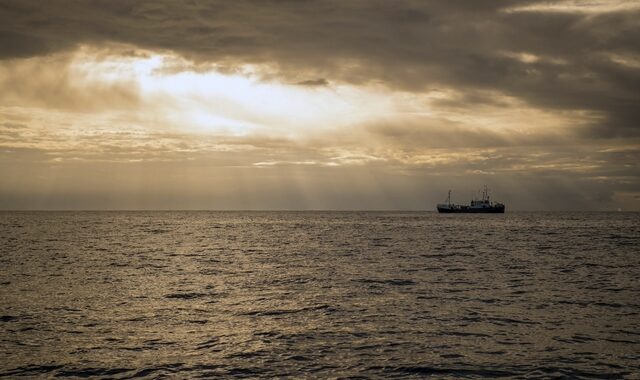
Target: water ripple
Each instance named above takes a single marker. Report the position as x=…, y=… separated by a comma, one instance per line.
x=130, y=295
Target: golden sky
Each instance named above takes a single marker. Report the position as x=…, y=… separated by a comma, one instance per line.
x=318, y=104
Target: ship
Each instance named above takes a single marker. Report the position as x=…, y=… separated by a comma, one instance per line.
x=483, y=205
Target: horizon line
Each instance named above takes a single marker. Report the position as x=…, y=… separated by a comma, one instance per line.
x=282, y=210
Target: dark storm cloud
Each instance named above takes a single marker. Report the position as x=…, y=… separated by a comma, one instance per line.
x=575, y=60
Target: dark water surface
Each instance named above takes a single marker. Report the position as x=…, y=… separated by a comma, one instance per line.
x=319, y=294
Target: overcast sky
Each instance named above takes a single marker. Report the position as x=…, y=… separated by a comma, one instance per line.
x=172, y=104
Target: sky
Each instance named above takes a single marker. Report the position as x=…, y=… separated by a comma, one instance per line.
x=319, y=105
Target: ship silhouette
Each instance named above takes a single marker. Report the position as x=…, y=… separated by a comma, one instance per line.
x=483, y=205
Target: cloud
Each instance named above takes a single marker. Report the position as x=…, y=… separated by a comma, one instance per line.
x=57, y=81
x=313, y=82
x=392, y=100
x=13, y=126
x=405, y=45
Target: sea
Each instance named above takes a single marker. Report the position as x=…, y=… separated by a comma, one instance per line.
x=199, y=294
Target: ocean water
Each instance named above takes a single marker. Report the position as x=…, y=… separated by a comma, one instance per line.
x=319, y=294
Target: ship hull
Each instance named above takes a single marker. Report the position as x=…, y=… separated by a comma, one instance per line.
x=470, y=210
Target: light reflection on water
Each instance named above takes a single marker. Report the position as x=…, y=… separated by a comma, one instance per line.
x=121, y=294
